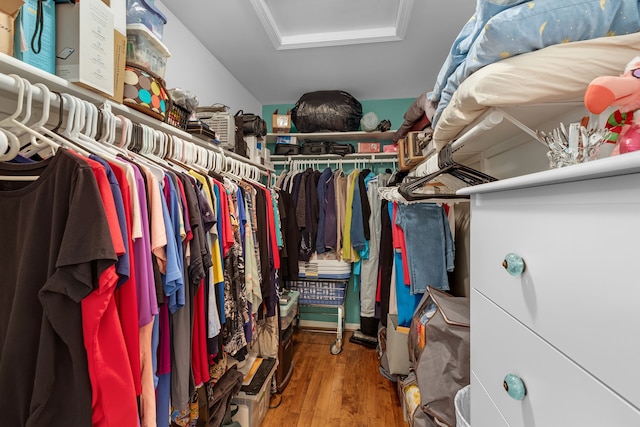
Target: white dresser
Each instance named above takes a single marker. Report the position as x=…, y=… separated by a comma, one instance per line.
x=568, y=326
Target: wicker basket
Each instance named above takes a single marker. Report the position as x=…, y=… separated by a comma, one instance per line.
x=178, y=117
x=320, y=292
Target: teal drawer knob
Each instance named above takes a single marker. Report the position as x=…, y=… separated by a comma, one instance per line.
x=513, y=264
x=514, y=387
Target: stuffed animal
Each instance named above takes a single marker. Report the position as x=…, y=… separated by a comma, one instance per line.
x=622, y=92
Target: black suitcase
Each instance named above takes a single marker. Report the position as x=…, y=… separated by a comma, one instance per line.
x=314, y=148
x=287, y=149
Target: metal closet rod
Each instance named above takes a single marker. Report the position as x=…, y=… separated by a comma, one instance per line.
x=7, y=83
x=350, y=160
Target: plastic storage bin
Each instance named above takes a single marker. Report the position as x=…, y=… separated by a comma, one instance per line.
x=252, y=408
x=288, y=310
x=145, y=50
x=462, y=402
x=146, y=13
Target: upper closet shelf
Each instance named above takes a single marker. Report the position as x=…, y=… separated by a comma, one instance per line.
x=498, y=128
x=335, y=136
x=11, y=65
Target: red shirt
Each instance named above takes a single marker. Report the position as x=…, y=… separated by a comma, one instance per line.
x=113, y=393
x=126, y=296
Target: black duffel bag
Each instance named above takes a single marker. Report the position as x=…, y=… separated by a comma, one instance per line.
x=314, y=148
x=341, y=149
x=252, y=124
x=287, y=149
x=327, y=111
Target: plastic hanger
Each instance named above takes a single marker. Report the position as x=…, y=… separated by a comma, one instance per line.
x=444, y=183
x=12, y=122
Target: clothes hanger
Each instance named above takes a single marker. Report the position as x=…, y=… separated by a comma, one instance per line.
x=12, y=122
x=444, y=183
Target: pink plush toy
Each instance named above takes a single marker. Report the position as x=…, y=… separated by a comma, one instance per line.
x=622, y=92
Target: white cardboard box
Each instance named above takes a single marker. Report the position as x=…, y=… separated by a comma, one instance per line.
x=8, y=11
x=85, y=44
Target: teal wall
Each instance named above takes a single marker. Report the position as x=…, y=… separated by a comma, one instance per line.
x=390, y=109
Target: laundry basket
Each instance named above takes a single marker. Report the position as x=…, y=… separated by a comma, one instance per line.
x=462, y=403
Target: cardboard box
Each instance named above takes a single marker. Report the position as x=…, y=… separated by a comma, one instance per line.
x=85, y=45
x=368, y=147
x=397, y=346
x=119, y=9
x=390, y=148
x=8, y=11
x=25, y=26
x=293, y=140
x=281, y=123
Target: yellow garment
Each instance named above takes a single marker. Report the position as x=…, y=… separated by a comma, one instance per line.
x=348, y=253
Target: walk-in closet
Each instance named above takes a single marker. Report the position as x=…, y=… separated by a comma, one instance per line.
x=302, y=213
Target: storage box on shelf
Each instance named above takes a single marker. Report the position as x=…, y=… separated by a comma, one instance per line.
x=281, y=123
x=146, y=13
x=221, y=122
x=368, y=147
x=91, y=45
x=145, y=50
x=8, y=11
x=25, y=26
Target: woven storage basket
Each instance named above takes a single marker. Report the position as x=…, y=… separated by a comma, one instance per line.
x=178, y=116
x=319, y=292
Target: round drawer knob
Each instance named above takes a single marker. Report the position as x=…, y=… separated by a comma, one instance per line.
x=514, y=386
x=513, y=264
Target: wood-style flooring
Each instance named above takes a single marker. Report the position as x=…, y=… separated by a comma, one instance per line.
x=345, y=390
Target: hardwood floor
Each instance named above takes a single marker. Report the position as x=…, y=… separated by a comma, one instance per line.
x=332, y=391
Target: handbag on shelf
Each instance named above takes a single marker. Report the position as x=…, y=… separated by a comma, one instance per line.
x=252, y=124
x=146, y=92
x=240, y=146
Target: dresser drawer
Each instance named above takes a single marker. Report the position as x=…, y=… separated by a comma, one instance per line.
x=558, y=392
x=580, y=289
x=483, y=409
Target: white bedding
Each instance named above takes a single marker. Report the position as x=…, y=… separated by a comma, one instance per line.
x=556, y=73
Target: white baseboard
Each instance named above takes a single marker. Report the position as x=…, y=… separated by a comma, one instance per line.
x=315, y=324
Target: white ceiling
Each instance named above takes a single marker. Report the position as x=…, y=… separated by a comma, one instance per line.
x=373, y=49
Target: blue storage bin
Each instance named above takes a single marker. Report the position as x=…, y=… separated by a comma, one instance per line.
x=146, y=13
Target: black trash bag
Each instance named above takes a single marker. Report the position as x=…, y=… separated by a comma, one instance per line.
x=327, y=111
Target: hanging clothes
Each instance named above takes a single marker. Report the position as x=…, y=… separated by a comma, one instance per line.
x=44, y=227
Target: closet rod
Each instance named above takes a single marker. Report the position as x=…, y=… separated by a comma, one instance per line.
x=350, y=160
x=7, y=83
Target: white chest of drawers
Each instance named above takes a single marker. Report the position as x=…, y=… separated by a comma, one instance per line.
x=569, y=324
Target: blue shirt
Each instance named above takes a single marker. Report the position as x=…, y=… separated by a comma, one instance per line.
x=176, y=299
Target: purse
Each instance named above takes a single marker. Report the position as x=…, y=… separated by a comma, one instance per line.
x=252, y=124
x=146, y=92
x=240, y=146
